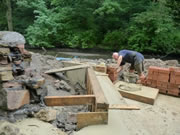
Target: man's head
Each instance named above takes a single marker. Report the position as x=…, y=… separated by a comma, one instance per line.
x=115, y=55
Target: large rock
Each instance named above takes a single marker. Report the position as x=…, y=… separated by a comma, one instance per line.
x=46, y=115
x=11, y=39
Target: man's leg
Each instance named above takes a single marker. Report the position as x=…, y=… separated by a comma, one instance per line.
x=140, y=68
x=131, y=70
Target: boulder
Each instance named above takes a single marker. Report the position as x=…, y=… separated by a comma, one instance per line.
x=11, y=39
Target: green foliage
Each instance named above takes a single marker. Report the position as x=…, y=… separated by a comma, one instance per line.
x=142, y=25
x=152, y=30
x=115, y=39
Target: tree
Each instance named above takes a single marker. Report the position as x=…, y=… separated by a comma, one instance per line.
x=9, y=15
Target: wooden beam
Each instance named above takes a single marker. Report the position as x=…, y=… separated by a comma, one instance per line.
x=93, y=87
x=66, y=69
x=91, y=118
x=70, y=100
x=123, y=107
x=6, y=68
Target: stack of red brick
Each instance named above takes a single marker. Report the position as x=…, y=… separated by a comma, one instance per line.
x=167, y=80
x=112, y=72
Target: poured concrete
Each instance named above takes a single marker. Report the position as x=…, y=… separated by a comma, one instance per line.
x=162, y=118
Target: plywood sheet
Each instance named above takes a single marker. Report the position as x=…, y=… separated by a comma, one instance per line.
x=137, y=92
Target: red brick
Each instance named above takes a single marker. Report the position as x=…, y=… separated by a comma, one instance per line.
x=144, y=81
x=177, y=72
x=174, y=92
x=164, y=91
x=154, y=83
x=153, y=68
x=113, y=76
x=163, y=85
x=163, y=77
x=17, y=98
x=172, y=78
x=164, y=70
x=172, y=86
x=155, y=76
x=172, y=69
x=150, y=76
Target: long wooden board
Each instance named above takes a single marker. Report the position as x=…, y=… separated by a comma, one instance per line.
x=66, y=69
x=123, y=107
x=137, y=92
x=111, y=94
x=91, y=118
x=93, y=87
x=6, y=68
x=70, y=100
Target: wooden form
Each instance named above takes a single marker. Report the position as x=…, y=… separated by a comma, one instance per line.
x=78, y=76
x=66, y=69
x=95, y=97
x=137, y=92
x=123, y=107
x=93, y=87
x=71, y=100
x=91, y=118
x=6, y=68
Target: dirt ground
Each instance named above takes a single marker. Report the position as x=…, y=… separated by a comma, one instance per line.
x=163, y=118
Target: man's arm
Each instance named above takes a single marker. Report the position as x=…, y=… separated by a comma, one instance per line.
x=119, y=68
x=119, y=60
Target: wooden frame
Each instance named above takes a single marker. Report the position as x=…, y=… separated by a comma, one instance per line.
x=71, y=100
x=95, y=99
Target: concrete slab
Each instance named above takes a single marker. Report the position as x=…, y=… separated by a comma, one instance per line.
x=137, y=92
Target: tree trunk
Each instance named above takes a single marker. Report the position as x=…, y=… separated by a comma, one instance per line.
x=9, y=15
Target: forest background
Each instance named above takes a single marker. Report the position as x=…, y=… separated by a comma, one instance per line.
x=148, y=26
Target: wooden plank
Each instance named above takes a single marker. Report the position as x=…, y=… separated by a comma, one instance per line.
x=137, y=92
x=66, y=69
x=4, y=51
x=111, y=94
x=70, y=100
x=123, y=107
x=94, y=87
x=100, y=68
x=91, y=118
x=100, y=73
x=6, y=76
x=6, y=68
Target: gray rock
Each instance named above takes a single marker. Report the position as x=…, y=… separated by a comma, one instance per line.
x=12, y=39
x=46, y=115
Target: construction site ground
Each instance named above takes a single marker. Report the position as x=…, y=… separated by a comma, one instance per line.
x=162, y=118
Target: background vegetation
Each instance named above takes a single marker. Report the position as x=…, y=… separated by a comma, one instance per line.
x=149, y=26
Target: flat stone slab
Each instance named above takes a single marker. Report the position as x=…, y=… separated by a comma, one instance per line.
x=137, y=92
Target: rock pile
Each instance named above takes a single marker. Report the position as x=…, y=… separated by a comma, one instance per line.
x=14, y=60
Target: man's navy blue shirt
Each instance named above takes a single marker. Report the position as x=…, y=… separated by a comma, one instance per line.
x=132, y=57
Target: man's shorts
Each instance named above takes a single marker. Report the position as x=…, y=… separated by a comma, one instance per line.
x=138, y=67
